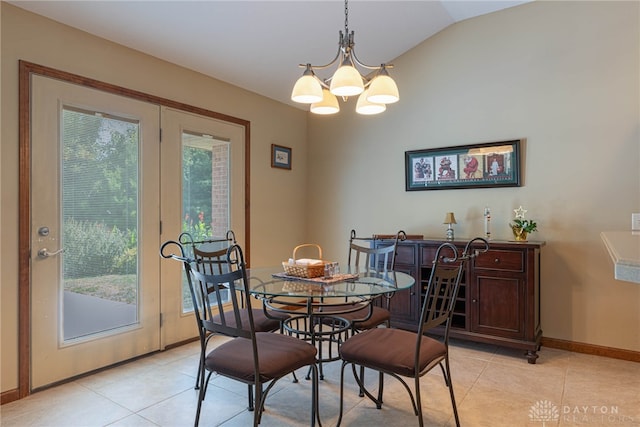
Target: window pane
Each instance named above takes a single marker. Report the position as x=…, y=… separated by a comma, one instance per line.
x=205, y=192
x=100, y=222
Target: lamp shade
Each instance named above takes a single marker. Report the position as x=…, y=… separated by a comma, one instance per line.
x=346, y=81
x=368, y=108
x=383, y=90
x=328, y=105
x=449, y=218
x=307, y=90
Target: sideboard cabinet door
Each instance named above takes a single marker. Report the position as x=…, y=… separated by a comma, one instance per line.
x=504, y=296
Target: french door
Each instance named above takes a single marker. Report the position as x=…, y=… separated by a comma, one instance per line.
x=105, y=191
x=203, y=193
x=95, y=190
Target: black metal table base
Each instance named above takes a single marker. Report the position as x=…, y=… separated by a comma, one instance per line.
x=326, y=332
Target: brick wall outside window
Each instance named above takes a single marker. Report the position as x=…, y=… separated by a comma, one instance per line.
x=220, y=189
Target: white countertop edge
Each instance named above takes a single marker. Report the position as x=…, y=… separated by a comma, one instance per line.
x=624, y=250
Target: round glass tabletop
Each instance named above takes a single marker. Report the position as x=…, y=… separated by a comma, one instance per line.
x=272, y=282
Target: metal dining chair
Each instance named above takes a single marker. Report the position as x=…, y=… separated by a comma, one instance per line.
x=254, y=358
x=399, y=353
x=368, y=314
x=383, y=259
x=214, y=261
x=363, y=254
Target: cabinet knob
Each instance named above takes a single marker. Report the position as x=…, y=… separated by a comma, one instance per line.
x=474, y=300
x=497, y=260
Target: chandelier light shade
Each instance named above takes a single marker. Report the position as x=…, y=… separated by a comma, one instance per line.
x=328, y=105
x=383, y=89
x=366, y=107
x=376, y=88
x=346, y=81
x=307, y=89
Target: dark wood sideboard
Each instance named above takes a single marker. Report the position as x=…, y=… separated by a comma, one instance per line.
x=499, y=298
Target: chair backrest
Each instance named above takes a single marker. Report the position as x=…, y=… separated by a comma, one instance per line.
x=213, y=244
x=210, y=261
x=210, y=255
x=210, y=290
x=381, y=258
x=444, y=284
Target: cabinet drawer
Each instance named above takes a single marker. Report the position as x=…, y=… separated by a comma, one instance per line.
x=496, y=259
x=406, y=254
x=428, y=253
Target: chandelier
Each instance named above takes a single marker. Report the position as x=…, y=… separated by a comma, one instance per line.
x=375, y=89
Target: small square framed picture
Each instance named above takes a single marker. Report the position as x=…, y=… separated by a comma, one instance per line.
x=280, y=157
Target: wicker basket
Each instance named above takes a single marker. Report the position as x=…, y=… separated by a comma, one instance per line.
x=306, y=271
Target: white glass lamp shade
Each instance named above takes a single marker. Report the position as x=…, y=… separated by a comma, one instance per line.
x=346, y=81
x=328, y=105
x=383, y=90
x=307, y=90
x=368, y=108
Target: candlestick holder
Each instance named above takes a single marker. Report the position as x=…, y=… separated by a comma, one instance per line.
x=487, y=223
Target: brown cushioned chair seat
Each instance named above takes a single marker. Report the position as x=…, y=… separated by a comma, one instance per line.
x=261, y=322
x=379, y=315
x=386, y=349
x=279, y=355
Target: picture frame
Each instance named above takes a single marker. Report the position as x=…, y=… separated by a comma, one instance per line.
x=486, y=165
x=280, y=157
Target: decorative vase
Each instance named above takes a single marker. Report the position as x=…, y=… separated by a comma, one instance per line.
x=519, y=234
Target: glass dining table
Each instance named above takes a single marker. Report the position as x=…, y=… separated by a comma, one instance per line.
x=316, y=306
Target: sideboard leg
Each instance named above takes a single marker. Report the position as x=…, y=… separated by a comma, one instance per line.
x=532, y=355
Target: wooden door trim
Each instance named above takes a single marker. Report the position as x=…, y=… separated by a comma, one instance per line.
x=26, y=70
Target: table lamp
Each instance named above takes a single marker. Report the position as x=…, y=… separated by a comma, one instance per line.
x=449, y=219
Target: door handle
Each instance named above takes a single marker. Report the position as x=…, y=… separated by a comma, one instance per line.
x=44, y=252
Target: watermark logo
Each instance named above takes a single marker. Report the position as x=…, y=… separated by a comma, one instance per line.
x=544, y=411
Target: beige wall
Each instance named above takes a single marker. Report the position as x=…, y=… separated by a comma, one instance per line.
x=562, y=75
x=276, y=227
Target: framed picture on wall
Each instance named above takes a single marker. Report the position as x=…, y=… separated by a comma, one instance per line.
x=493, y=164
x=280, y=157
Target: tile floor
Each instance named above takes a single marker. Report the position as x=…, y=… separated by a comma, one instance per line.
x=494, y=387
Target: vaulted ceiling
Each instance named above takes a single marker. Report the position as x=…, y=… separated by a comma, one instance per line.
x=258, y=45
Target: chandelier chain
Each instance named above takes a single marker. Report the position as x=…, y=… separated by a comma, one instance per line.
x=346, y=18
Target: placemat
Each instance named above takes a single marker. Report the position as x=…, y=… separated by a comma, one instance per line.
x=318, y=280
